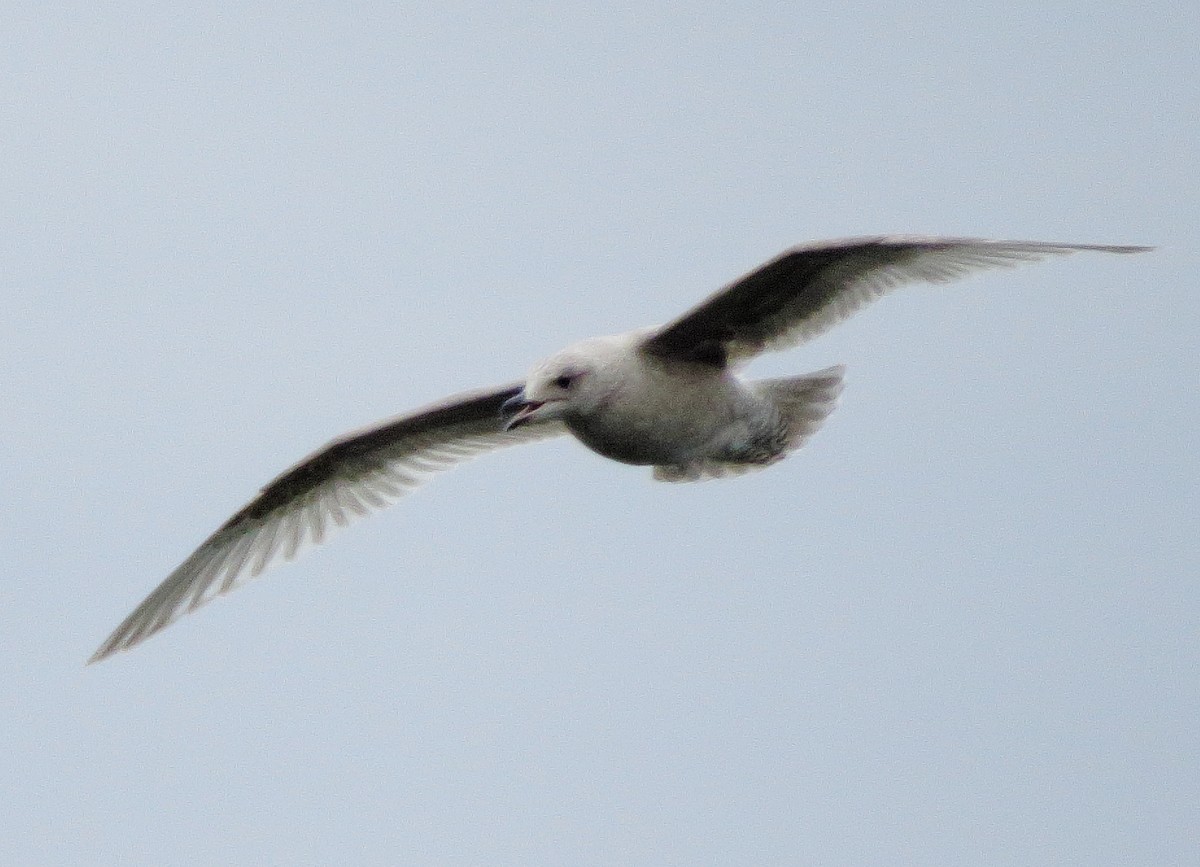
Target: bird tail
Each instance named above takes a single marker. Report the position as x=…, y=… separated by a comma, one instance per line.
x=804, y=402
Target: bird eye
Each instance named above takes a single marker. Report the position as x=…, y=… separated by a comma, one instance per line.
x=564, y=381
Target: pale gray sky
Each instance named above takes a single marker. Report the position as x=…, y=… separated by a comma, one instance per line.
x=961, y=626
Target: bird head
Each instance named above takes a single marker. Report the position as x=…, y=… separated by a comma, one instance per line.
x=544, y=398
x=576, y=381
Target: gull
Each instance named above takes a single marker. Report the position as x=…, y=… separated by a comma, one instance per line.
x=669, y=398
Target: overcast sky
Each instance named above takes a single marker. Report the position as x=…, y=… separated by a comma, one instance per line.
x=960, y=627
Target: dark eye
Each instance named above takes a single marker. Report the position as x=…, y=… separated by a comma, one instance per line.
x=564, y=381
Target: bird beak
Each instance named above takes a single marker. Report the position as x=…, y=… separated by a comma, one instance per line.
x=518, y=410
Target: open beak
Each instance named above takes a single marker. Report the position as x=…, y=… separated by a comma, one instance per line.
x=518, y=410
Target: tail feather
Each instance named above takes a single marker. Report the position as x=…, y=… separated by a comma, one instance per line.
x=803, y=404
x=804, y=401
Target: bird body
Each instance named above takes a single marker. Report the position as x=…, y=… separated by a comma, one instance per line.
x=691, y=420
x=635, y=408
x=670, y=397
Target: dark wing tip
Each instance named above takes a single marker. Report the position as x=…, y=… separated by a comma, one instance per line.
x=1128, y=248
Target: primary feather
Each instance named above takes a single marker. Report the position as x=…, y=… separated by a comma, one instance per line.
x=810, y=288
x=352, y=476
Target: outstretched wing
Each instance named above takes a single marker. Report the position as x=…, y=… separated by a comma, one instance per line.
x=350, y=477
x=811, y=288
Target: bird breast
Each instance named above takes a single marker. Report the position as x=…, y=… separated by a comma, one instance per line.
x=664, y=414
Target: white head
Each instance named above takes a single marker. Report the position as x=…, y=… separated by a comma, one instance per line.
x=578, y=380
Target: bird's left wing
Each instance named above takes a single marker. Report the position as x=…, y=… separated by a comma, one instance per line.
x=810, y=288
x=348, y=478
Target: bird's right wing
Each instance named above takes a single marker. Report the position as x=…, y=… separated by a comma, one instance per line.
x=810, y=288
x=350, y=477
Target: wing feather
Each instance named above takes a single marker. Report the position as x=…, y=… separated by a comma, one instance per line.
x=809, y=289
x=349, y=478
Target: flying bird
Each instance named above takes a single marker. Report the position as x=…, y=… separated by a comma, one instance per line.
x=667, y=397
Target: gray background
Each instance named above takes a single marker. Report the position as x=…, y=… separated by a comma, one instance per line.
x=960, y=627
